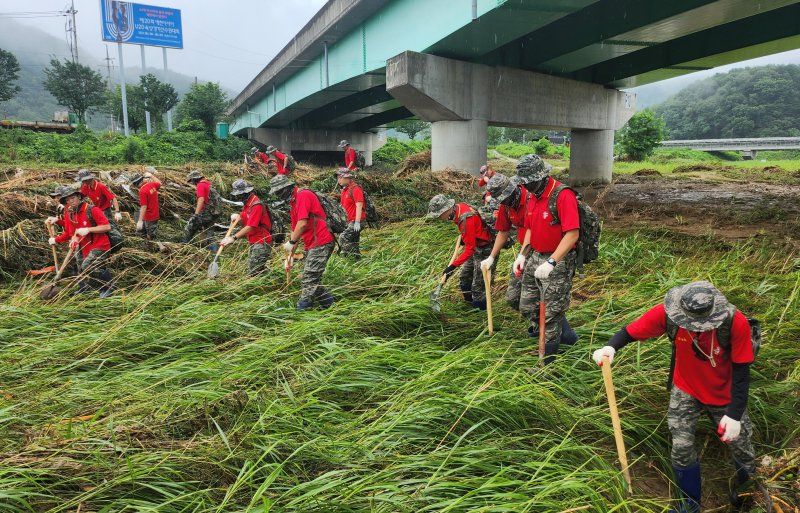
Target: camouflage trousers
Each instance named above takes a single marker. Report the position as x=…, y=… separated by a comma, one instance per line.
x=201, y=222
x=93, y=266
x=349, y=241
x=514, y=289
x=471, y=277
x=150, y=230
x=313, y=266
x=557, y=293
x=257, y=258
x=684, y=410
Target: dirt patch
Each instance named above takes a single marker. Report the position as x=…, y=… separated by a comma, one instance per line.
x=695, y=168
x=647, y=172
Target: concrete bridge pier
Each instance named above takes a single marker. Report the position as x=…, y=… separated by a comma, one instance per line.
x=461, y=99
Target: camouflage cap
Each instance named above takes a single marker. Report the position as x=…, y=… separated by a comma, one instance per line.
x=344, y=172
x=343, y=144
x=531, y=168
x=240, y=186
x=194, y=175
x=500, y=187
x=271, y=149
x=438, y=205
x=57, y=191
x=85, y=174
x=67, y=191
x=697, y=306
x=136, y=179
x=279, y=182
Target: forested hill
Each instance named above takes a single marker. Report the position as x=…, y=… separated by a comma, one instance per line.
x=747, y=102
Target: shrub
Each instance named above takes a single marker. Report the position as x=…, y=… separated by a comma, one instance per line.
x=394, y=151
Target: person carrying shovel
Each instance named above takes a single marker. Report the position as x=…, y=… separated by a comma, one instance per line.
x=147, y=221
x=256, y=225
x=547, y=259
x=309, y=224
x=206, y=211
x=477, y=246
x=712, y=352
x=86, y=230
x=102, y=198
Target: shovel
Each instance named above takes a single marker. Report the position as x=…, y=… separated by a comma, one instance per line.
x=436, y=305
x=213, y=267
x=612, y=405
x=52, y=233
x=487, y=282
x=50, y=291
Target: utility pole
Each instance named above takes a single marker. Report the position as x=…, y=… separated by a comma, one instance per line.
x=72, y=30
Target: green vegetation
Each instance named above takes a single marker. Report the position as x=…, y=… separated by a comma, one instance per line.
x=411, y=127
x=87, y=147
x=204, y=102
x=749, y=102
x=394, y=151
x=75, y=86
x=150, y=95
x=540, y=147
x=641, y=135
x=9, y=74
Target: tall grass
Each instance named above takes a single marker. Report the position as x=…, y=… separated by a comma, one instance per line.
x=216, y=396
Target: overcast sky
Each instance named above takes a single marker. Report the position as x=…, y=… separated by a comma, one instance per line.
x=228, y=41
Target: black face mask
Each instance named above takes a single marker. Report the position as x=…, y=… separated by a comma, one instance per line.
x=512, y=201
x=537, y=188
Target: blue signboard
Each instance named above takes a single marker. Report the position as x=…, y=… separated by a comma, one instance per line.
x=127, y=22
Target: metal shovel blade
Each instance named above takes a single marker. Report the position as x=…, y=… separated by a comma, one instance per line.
x=213, y=269
x=50, y=291
x=436, y=305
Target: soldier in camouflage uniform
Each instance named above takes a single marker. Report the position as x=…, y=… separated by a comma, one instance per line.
x=206, y=210
x=546, y=262
x=477, y=241
x=713, y=350
x=309, y=224
x=353, y=203
x=256, y=225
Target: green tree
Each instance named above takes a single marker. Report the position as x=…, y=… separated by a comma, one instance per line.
x=640, y=137
x=205, y=102
x=135, y=97
x=410, y=127
x=494, y=135
x=75, y=86
x=159, y=97
x=9, y=73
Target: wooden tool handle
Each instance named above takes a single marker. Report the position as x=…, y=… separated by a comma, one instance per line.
x=52, y=233
x=542, y=325
x=487, y=283
x=64, y=264
x=227, y=234
x=612, y=406
x=455, y=249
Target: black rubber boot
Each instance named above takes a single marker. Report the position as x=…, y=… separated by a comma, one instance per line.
x=550, y=352
x=326, y=299
x=480, y=305
x=467, y=294
x=688, y=481
x=741, y=477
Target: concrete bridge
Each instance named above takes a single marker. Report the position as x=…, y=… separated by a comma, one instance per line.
x=748, y=147
x=466, y=64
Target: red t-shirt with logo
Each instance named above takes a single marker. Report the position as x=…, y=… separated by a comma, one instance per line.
x=694, y=373
x=262, y=157
x=350, y=158
x=79, y=219
x=257, y=217
x=99, y=194
x=545, y=236
x=508, y=217
x=351, y=195
x=148, y=197
x=306, y=205
x=473, y=233
x=203, y=190
x=279, y=158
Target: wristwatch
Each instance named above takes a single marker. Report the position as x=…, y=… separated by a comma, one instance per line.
x=552, y=261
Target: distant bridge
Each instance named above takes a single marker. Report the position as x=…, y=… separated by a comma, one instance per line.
x=748, y=147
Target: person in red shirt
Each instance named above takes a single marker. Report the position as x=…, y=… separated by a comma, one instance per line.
x=280, y=160
x=486, y=173
x=352, y=200
x=102, y=198
x=547, y=257
x=86, y=230
x=206, y=211
x=712, y=351
x=477, y=241
x=147, y=221
x=308, y=221
x=256, y=225
x=260, y=156
x=349, y=155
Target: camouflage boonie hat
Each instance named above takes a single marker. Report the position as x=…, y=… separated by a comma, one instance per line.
x=85, y=174
x=240, y=187
x=57, y=191
x=697, y=306
x=343, y=143
x=270, y=149
x=438, y=205
x=531, y=168
x=66, y=192
x=136, y=179
x=500, y=187
x=344, y=172
x=194, y=175
x=279, y=182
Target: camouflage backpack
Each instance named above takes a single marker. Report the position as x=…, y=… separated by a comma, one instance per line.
x=278, y=219
x=214, y=202
x=335, y=216
x=290, y=163
x=588, y=245
x=481, y=213
x=369, y=209
x=115, y=238
x=361, y=160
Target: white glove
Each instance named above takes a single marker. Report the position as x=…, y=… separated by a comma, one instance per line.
x=287, y=264
x=51, y=241
x=51, y=220
x=519, y=265
x=118, y=217
x=288, y=246
x=543, y=271
x=729, y=429
x=82, y=232
x=235, y=217
x=598, y=355
x=227, y=240
x=357, y=226
x=60, y=206
x=140, y=226
x=487, y=263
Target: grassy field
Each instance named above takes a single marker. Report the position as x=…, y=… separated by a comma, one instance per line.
x=187, y=395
